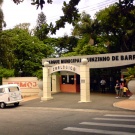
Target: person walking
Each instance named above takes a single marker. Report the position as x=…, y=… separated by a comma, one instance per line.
x=117, y=89
x=121, y=89
x=103, y=83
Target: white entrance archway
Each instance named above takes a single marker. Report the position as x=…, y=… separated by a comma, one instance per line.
x=83, y=70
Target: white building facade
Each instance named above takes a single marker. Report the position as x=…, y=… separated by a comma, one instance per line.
x=70, y=67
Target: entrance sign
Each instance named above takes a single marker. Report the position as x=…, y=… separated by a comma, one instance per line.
x=65, y=67
x=96, y=61
x=82, y=81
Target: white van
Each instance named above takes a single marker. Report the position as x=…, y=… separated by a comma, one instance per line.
x=10, y=94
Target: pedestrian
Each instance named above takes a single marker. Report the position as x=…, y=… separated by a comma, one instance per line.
x=103, y=83
x=117, y=89
x=121, y=89
x=125, y=89
x=95, y=85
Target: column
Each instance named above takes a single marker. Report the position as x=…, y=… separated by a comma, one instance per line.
x=46, y=83
x=55, y=84
x=84, y=82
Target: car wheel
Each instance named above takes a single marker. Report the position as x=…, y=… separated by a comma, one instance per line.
x=2, y=105
x=16, y=104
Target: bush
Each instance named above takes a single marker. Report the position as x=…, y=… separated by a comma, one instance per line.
x=39, y=74
x=130, y=73
x=5, y=73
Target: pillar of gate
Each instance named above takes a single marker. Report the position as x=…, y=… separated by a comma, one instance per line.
x=46, y=83
x=84, y=82
x=55, y=84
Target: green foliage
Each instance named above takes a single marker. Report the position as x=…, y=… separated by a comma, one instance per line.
x=61, y=45
x=120, y=33
x=23, y=26
x=22, y=51
x=2, y=22
x=88, y=43
x=38, y=3
x=113, y=27
x=130, y=73
x=5, y=73
x=42, y=29
x=85, y=48
x=70, y=16
x=70, y=12
x=39, y=74
x=83, y=25
x=70, y=54
x=6, y=52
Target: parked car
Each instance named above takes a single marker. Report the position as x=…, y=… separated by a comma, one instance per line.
x=10, y=94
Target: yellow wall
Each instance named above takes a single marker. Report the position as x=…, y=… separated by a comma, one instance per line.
x=28, y=85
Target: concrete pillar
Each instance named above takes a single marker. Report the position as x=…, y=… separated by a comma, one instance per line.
x=46, y=83
x=84, y=82
x=55, y=84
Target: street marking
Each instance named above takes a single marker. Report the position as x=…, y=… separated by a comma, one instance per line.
x=114, y=119
x=120, y=115
x=108, y=124
x=97, y=131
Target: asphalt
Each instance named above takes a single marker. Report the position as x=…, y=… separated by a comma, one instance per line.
x=99, y=101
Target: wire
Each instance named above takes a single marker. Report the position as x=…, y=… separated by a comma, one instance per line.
x=101, y=6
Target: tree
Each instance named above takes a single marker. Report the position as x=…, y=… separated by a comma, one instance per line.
x=70, y=12
x=2, y=22
x=34, y=2
x=87, y=42
x=24, y=26
x=6, y=52
x=62, y=45
x=85, y=48
x=83, y=25
x=70, y=16
x=27, y=51
x=41, y=30
x=119, y=36
x=5, y=73
x=65, y=45
x=121, y=33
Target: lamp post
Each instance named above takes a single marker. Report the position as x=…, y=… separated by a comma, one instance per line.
x=20, y=72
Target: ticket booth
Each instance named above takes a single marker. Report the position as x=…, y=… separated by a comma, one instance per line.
x=69, y=82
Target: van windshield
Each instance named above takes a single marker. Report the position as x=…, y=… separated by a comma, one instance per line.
x=1, y=90
x=12, y=89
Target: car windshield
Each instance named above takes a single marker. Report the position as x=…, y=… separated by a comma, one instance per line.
x=12, y=89
x=1, y=90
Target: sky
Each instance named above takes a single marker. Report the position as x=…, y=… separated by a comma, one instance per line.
x=26, y=13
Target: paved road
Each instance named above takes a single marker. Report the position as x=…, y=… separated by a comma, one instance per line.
x=65, y=116
x=42, y=121
x=110, y=124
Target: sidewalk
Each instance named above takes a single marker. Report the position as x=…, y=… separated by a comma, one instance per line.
x=128, y=104
x=28, y=98
x=70, y=100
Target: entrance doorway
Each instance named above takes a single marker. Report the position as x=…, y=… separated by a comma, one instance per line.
x=69, y=82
